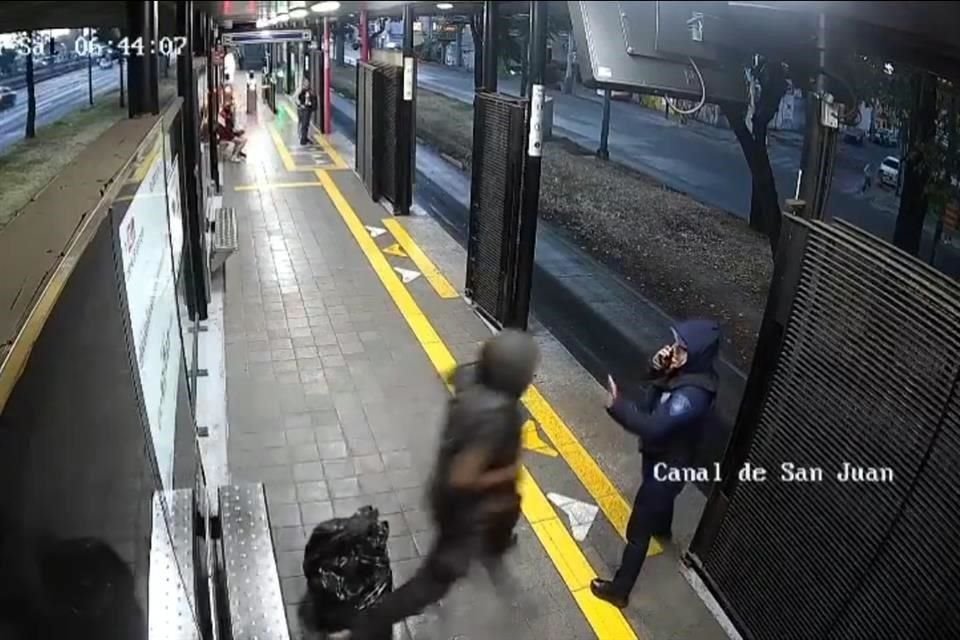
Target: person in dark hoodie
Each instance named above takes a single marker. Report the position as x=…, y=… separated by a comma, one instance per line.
x=668, y=415
x=306, y=105
x=472, y=494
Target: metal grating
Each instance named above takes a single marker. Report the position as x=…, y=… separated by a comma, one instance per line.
x=866, y=374
x=391, y=79
x=253, y=584
x=171, y=597
x=497, y=179
x=225, y=239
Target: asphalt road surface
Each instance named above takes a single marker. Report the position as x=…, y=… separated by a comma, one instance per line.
x=56, y=97
x=704, y=161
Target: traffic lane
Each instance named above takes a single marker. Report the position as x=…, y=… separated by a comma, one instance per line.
x=55, y=99
x=706, y=164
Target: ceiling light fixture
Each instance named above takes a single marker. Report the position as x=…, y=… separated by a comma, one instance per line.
x=298, y=13
x=325, y=7
x=444, y=6
x=282, y=17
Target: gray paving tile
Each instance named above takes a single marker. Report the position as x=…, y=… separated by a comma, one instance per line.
x=289, y=539
x=374, y=483
x=401, y=547
x=304, y=471
x=285, y=515
x=313, y=513
x=313, y=491
x=329, y=451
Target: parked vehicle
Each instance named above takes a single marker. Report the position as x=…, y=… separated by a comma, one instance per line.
x=854, y=135
x=105, y=62
x=890, y=171
x=884, y=138
x=8, y=98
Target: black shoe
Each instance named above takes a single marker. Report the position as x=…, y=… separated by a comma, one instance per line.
x=608, y=592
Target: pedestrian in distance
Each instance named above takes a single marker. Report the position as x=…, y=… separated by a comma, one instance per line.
x=867, y=178
x=306, y=105
x=472, y=494
x=668, y=414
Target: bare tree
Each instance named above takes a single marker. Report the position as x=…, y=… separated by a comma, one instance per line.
x=764, y=200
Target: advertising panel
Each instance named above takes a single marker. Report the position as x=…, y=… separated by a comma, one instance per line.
x=145, y=248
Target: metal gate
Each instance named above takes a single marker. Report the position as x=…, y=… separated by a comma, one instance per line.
x=857, y=364
x=385, y=135
x=499, y=132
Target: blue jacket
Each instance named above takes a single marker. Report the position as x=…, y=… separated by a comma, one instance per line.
x=669, y=418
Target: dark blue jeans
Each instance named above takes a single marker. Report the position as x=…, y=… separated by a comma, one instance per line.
x=303, y=125
x=652, y=515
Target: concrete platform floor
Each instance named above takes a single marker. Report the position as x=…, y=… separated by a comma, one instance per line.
x=338, y=318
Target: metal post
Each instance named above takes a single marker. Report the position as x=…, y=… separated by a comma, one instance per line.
x=603, y=153
x=531, y=180
x=490, y=46
x=820, y=139
x=327, y=78
x=121, y=83
x=89, y=65
x=459, y=46
x=151, y=34
x=406, y=122
x=213, y=108
x=194, y=209
x=364, y=37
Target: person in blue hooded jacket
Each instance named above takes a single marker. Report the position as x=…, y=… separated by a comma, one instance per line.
x=668, y=415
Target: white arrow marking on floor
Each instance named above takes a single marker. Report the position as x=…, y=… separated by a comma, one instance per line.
x=581, y=514
x=375, y=232
x=407, y=275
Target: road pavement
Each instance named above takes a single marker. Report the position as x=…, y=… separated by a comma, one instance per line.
x=56, y=97
x=702, y=161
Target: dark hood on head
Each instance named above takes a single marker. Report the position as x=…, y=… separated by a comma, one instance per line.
x=701, y=339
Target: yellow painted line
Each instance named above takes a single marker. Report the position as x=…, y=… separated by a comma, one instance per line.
x=322, y=139
x=607, y=621
x=275, y=185
x=436, y=279
x=596, y=482
x=532, y=441
x=282, y=148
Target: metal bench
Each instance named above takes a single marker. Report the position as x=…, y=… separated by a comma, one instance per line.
x=252, y=583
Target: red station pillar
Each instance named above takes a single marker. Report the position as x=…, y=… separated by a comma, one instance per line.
x=364, y=37
x=327, y=77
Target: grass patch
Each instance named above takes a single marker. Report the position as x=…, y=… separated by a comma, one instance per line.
x=688, y=258
x=27, y=167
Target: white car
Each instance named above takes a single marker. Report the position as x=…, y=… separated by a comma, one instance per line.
x=890, y=171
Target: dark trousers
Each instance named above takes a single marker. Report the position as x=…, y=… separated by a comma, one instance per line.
x=652, y=515
x=454, y=550
x=303, y=124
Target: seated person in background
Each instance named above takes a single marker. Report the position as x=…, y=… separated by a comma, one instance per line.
x=228, y=131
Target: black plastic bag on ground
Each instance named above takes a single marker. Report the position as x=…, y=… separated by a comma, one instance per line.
x=347, y=567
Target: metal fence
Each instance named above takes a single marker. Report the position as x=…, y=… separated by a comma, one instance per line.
x=865, y=345
x=499, y=133
x=385, y=137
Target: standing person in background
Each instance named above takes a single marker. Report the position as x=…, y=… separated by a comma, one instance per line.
x=669, y=417
x=306, y=104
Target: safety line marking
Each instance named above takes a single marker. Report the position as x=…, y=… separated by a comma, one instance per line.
x=282, y=148
x=320, y=138
x=433, y=275
x=275, y=185
x=607, y=621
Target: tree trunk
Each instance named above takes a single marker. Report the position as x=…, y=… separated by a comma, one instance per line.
x=908, y=231
x=765, y=215
x=569, y=75
x=31, y=92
